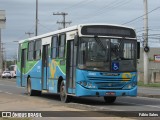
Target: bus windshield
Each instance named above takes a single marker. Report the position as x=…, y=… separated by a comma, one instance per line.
x=94, y=53
x=99, y=54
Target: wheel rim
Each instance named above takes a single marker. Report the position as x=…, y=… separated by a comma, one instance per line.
x=62, y=92
x=28, y=87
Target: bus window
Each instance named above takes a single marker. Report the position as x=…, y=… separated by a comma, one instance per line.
x=30, y=50
x=61, y=46
x=128, y=51
x=19, y=53
x=37, y=49
x=54, y=47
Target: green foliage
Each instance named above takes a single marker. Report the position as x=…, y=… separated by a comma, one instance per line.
x=140, y=83
x=8, y=63
x=150, y=59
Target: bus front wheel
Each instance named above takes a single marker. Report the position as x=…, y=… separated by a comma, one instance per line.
x=63, y=94
x=31, y=92
x=109, y=99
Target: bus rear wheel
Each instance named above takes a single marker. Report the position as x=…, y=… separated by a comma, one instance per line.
x=63, y=94
x=31, y=92
x=109, y=99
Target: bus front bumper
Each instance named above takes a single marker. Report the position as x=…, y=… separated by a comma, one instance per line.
x=81, y=91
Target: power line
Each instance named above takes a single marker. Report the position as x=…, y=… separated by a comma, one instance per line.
x=29, y=33
x=63, y=22
x=112, y=5
x=43, y=26
x=22, y=36
x=77, y=4
x=141, y=16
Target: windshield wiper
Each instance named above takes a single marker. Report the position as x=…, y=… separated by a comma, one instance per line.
x=101, y=45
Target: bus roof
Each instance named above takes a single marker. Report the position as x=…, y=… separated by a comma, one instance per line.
x=70, y=29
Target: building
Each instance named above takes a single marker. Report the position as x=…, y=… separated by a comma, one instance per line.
x=154, y=67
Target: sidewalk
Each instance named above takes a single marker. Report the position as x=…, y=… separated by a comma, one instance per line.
x=149, y=92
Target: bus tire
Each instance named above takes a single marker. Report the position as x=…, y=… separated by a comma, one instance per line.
x=63, y=94
x=109, y=99
x=31, y=92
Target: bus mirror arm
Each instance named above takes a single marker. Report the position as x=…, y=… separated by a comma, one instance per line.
x=138, y=50
x=76, y=39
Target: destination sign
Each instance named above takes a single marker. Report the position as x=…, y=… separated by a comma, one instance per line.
x=104, y=30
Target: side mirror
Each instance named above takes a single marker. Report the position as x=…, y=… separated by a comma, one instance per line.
x=76, y=39
x=138, y=50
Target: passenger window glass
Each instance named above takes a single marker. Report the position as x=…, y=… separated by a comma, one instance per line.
x=30, y=50
x=54, y=47
x=128, y=51
x=62, y=46
x=19, y=53
x=38, y=49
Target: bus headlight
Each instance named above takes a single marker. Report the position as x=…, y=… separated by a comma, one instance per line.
x=130, y=85
x=87, y=84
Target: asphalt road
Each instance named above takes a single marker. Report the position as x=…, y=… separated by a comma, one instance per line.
x=14, y=98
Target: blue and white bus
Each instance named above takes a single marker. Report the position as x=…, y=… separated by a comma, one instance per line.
x=83, y=60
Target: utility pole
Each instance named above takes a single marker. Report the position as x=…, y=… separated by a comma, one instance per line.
x=0, y=54
x=146, y=48
x=63, y=22
x=2, y=25
x=36, y=26
x=29, y=33
x=3, y=53
x=1, y=63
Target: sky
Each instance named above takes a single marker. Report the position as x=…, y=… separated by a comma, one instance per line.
x=20, y=17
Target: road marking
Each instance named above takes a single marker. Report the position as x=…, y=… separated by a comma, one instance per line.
x=8, y=80
x=5, y=92
x=12, y=93
x=8, y=93
x=8, y=85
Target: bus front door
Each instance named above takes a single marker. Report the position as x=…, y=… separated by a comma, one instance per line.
x=23, y=66
x=45, y=64
x=70, y=67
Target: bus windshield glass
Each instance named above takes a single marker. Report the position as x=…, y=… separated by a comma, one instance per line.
x=94, y=53
x=98, y=53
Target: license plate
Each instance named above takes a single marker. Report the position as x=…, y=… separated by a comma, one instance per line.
x=110, y=93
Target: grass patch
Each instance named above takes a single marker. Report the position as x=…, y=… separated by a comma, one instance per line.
x=140, y=83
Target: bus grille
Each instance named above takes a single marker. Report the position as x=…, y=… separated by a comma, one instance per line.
x=110, y=85
x=109, y=79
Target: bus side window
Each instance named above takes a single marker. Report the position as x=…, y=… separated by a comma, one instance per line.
x=37, y=53
x=19, y=53
x=61, y=49
x=54, y=47
x=31, y=50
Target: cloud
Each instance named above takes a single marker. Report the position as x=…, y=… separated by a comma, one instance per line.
x=20, y=14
